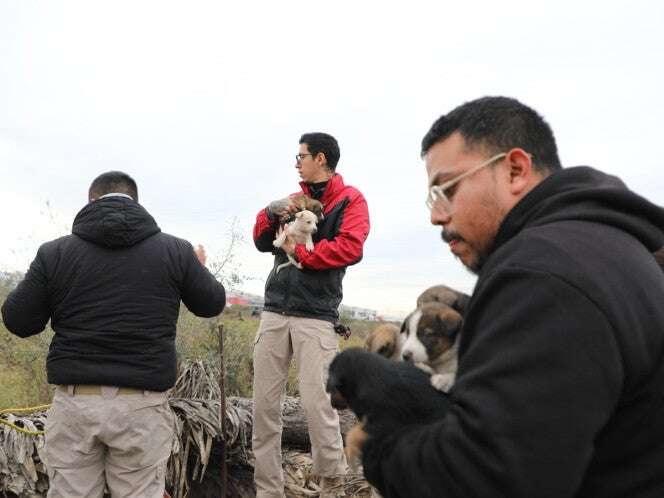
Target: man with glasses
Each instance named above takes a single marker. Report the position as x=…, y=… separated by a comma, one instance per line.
x=300, y=311
x=561, y=360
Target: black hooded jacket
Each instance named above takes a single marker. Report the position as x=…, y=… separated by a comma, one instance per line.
x=112, y=291
x=560, y=389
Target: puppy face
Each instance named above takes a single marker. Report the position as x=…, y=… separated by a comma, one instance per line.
x=305, y=222
x=354, y=379
x=429, y=331
x=335, y=385
x=385, y=340
x=445, y=295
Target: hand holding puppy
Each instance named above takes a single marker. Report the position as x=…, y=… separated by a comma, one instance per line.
x=281, y=207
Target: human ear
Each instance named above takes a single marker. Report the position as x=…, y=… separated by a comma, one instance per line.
x=521, y=170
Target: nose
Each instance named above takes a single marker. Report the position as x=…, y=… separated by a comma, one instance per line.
x=407, y=356
x=440, y=217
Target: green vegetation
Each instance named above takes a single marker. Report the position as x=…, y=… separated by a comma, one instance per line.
x=23, y=361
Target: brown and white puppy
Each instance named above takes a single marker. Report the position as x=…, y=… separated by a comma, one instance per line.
x=431, y=341
x=301, y=229
x=385, y=340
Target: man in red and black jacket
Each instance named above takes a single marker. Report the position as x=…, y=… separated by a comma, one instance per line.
x=301, y=307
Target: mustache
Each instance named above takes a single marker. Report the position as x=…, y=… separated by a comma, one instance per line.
x=449, y=235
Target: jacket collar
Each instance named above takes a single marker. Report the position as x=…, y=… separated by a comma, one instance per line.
x=334, y=186
x=585, y=194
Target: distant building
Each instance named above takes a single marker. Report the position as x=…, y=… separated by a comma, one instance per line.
x=231, y=300
x=257, y=302
x=356, y=313
x=244, y=298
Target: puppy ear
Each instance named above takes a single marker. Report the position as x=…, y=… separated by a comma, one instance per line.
x=450, y=324
x=461, y=303
x=299, y=214
x=454, y=330
x=402, y=330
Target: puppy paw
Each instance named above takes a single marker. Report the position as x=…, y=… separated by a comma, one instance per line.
x=442, y=382
x=309, y=246
x=424, y=367
x=280, y=239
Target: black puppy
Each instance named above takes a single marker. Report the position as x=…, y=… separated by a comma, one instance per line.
x=386, y=396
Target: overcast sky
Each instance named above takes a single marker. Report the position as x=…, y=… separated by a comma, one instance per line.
x=203, y=104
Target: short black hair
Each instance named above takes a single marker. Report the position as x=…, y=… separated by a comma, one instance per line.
x=322, y=142
x=498, y=124
x=113, y=182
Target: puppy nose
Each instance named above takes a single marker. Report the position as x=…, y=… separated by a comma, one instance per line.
x=407, y=356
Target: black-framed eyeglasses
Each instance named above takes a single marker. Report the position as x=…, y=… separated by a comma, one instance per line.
x=299, y=157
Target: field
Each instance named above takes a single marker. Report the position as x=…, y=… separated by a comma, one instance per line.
x=23, y=361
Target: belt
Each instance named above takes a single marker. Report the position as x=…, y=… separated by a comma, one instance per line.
x=82, y=389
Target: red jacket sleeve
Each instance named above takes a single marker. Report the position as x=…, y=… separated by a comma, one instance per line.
x=346, y=248
x=264, y=231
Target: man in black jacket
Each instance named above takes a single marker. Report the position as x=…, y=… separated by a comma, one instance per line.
x=112, y=291
x=560, y=385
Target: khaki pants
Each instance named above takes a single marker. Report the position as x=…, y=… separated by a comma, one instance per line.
x=119, y=440
x=314, y=344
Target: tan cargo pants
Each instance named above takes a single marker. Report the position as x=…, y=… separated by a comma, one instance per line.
x=313, y=343
x=109, y=438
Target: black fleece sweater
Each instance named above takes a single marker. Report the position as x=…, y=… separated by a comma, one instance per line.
x=112, y=291
x=560, y=389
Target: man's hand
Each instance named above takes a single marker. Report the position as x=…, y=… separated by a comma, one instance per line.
x=282, y=207
x=199, y=250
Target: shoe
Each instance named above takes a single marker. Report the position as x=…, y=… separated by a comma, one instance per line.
x=332, y=487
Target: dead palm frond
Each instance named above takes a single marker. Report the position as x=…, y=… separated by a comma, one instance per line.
x=22, y=461
x=196, y=455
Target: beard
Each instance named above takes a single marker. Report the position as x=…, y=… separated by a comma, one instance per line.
x=480, y=255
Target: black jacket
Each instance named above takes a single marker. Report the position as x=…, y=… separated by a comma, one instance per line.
x=560, y=389
x=112, y=291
